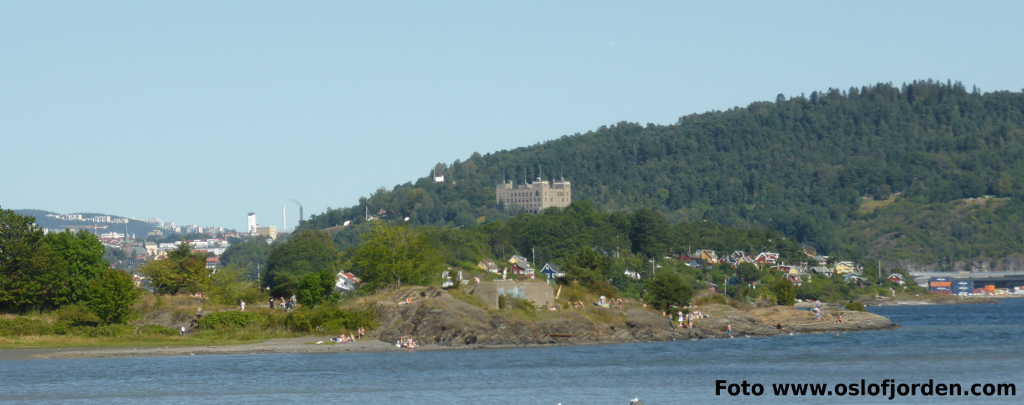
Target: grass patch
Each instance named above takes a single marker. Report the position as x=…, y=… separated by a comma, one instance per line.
x=470, y=299
x=56, y=341
x=603, y=316
x=523, y=308
x=71, y=329
x=869, y=205
x=234, y=320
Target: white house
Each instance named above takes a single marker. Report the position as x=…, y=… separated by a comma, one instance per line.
x=346, y=281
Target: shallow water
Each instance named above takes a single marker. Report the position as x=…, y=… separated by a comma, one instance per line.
x=956, y=344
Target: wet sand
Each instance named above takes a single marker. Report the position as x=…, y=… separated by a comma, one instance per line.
x=291, y=345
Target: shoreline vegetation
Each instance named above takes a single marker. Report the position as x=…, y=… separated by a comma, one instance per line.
x=453, y=320
x=750, y=322
x=600, y=289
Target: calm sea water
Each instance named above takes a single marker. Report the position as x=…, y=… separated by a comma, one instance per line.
x=962, y=344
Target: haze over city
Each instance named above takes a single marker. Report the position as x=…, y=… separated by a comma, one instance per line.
x=200, y=117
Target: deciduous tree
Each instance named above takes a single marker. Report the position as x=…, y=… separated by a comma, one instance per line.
x=395, y=255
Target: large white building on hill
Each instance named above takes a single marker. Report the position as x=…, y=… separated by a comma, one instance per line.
x=535, y=196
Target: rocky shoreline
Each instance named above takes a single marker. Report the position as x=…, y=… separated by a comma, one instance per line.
x=439, y=321
x=437, y=318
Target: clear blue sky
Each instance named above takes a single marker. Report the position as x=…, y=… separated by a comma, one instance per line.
x=199, y=112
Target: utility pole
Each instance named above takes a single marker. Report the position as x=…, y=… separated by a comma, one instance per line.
x=534, y=251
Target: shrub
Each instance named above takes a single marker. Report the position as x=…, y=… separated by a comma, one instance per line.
x=112, y=295
x=77, y=315
x=784, y=291
x=855, y=306
x=233, y=320
x=21, y=326
x=604, y=288
x=316, y=288
x=523, y=305
x=329, y=319
x=229, y=286
x=668, y=289
x=572, y=292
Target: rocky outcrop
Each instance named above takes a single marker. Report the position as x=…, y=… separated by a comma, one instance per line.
x=433, y=316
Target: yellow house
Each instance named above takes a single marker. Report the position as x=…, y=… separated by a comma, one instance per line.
x=708, y=256
x=845, y=267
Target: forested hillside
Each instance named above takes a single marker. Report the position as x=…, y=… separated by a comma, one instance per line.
x=808, y=166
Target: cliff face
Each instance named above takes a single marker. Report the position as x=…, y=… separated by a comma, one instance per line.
x=436, y=317
x=1013, y=262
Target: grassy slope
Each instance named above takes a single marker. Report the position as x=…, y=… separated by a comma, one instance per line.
x=929, y=234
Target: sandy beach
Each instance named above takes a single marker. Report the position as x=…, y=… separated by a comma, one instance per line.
x=292, y=345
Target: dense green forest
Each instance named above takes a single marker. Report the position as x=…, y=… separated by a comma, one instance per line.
x=807, y=166
x=632, y=253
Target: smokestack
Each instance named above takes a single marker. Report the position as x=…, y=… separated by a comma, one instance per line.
x=301, y=216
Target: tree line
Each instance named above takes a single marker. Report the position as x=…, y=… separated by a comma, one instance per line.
x=42, y=272
x=635, y=254
x=802, y=165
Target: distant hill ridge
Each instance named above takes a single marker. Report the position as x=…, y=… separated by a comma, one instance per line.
x=46, y=219
x=803, y=165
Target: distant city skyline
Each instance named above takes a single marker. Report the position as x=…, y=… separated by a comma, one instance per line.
x=201, y=112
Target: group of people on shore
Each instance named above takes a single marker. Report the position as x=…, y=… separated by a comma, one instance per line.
x=817, y=311
x=406, y=342
x=689, y=318
x=282, y=303
x=343, y=338
x=349, y=338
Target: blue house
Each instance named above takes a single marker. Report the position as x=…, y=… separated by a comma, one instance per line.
x=552, y=271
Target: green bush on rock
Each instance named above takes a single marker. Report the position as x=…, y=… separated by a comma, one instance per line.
x=233, y=320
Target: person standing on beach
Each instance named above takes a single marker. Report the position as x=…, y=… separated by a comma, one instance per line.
x=242, y=305
x=728, y=330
